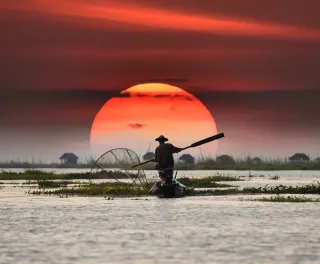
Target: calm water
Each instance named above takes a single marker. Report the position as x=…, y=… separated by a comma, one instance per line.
x=149, y=230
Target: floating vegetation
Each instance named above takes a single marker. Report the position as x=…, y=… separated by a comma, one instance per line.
x=64, y=185
x=282, y=189
x=286, y=199
x=222, y=177
x=52, y=184
x=126, y=189
x=41, y=175
x=14, y=183
x=232, y=191
x=207, y=182
x=94, y=190
x=99, y=189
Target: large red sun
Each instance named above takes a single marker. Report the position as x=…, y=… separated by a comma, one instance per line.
x=143, y=112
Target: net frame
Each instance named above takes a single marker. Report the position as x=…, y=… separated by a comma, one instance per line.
x=125, y=162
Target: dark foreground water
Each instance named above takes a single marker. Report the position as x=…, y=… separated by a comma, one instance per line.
x=149, y=230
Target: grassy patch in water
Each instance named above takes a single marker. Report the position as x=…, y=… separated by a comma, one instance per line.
x=207, y=182
x=286, y=199
x=282, y=189
x=123, y=190
x=52, y=184
x=127, y=189
x=192, y=192
x=96, y=190
x=38, y=175
x=219, y=177
x=41, y=175
x=26, y=175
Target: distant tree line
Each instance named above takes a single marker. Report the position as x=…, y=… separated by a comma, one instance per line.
x=299, y=161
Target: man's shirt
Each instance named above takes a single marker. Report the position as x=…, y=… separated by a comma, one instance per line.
x=164, y=156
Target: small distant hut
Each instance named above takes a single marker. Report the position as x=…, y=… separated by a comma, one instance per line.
x=299, y=157
x=225, y=160
x=69, y=158
x=148, y=156
x=256, y=160
x=187, y=158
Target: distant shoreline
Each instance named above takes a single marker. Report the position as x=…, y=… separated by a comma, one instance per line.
x=179, y=166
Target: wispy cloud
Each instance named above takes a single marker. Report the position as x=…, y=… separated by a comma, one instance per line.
x=136, y=126
x=165, y=19
x=165, y=80
x=151, y=94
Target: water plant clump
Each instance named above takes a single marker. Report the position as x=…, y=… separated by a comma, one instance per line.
x=286, y=199
x=222, y=177
x=208, y=192
x=121, y=191
x=41, y=175
x=52, y=184
x=26, y=175
x=126, y=189
x=282, y=189
x=207, y=182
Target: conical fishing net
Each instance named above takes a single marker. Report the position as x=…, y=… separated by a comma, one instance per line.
x=117, y=164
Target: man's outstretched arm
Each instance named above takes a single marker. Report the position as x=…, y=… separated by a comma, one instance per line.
x=176, y=149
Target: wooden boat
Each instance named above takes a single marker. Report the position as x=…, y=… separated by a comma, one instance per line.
x=174, y=189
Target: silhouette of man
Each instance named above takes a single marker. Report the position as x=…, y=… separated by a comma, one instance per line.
x=164, y=158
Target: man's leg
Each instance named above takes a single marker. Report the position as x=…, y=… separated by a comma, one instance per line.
x=169, y=175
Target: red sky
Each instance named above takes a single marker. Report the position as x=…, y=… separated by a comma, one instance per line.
x=253, y=63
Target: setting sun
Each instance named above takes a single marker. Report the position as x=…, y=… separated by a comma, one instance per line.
x=143, y=112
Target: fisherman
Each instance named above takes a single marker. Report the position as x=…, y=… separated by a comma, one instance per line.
x=164, y=158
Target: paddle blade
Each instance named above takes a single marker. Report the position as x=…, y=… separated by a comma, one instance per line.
x=207, y=140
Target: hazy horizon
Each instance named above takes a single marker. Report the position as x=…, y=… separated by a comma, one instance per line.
x=85, y=158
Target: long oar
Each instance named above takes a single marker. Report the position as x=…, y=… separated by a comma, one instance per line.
x=204, y=141
x=195, y=144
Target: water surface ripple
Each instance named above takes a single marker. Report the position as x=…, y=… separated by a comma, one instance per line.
x=149, y=230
